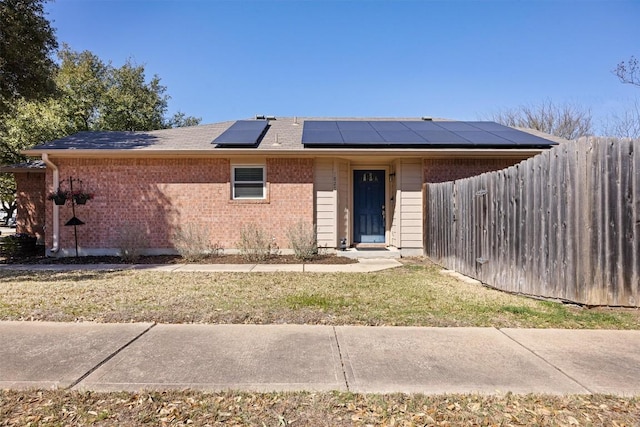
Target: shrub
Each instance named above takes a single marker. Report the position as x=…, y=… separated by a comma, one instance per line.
x=17, y=246
x=132, y=240
x=255, y=245
x=193, y=244
x=303, y=240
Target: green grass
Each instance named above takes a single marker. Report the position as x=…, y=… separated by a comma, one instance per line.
x=413, y=295
x=306, y=300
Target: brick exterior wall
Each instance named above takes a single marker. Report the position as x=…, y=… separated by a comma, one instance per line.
x=442, y=170
x=156, y=196
x=31, y=203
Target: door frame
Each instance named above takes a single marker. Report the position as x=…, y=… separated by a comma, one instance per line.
x=387, y=216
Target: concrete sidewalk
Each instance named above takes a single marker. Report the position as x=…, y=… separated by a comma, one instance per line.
x=105, y=357
x=362, y=266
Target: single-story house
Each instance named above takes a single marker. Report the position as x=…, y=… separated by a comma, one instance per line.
x=358, y=181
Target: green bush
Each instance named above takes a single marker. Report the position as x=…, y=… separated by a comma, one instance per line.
x=18, y=246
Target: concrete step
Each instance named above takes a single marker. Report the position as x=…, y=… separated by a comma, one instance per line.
x=389, y=253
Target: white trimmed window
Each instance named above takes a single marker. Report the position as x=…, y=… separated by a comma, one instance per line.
x=248, y=182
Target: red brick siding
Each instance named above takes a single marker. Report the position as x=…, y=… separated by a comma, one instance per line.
x=157, y=195
x=442, y=170
x=31, y=202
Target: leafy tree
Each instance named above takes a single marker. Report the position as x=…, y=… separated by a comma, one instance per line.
x=90, y=95
x=98, y=96
x=82, y=83
x=565, y=121
x=130, y=103
x=26, y=73
x=180, y=120
x=26, y=43
x=31, y=123
x=7, y=195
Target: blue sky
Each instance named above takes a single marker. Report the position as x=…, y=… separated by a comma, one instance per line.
x=225, y=60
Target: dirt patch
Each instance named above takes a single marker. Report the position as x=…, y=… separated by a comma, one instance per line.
x=177, y=259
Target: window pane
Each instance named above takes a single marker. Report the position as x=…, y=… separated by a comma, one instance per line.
x=248, y=174
x=248, y=191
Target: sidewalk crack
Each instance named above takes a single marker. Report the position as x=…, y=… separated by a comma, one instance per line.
x=344, y=372
x=109, y=357
x=546, y=361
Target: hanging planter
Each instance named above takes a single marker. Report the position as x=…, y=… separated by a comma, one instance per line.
x=59, y=197
x=80, y=197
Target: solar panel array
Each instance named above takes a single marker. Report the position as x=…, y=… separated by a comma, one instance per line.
x=421, y=134
x=243, y=133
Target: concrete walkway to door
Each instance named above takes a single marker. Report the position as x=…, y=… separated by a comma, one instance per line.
x=362, y=266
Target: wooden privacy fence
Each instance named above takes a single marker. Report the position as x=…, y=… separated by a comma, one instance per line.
x=564, y=224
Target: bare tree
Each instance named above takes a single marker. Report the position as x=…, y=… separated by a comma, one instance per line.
x=625, y=125
x=565, y=121
x=628, y=72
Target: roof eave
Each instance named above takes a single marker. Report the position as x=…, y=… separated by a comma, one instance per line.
x=9, y=169
x=307, y=152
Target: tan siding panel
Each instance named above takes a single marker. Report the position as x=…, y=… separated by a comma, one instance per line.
x=411, y=200
x=411, y=209
x=326, y=215
x=411, y=205
x=325, y=203
x=343, y=199
x=412, y=222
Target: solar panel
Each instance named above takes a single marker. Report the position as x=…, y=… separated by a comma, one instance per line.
x=422, y=125
x=243, y=133
x=321, y=133
x=320, y=125
x=321, y=137
x=456, y=126
x=479, y=137
x=361, y=136
x=488, y=126
x=420, y=134
x=384, y=126
x=401, y=137
x=354, y=126
x=520, y=137
x=440, y=137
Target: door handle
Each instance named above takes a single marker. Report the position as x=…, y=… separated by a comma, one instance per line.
x=384, y=213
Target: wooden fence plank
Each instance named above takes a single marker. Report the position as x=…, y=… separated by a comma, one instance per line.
x=564, y=224
x=612, y=211
x=635, y=173
x=627, y=223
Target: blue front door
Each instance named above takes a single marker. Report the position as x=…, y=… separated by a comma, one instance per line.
x=368, y=206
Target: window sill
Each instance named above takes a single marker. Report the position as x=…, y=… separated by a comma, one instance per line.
x=249, y=201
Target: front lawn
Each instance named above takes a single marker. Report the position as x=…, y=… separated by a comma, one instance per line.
x=417, y=295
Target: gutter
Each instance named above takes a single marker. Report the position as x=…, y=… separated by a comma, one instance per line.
x=309, y=152
x=56, y=209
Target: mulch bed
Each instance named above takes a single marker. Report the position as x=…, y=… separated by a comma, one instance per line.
x=177, y=259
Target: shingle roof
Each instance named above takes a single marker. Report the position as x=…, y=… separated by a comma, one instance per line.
x=33, y=166
x=283, y=134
